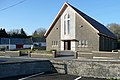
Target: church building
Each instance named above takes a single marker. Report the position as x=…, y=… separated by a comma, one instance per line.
x=75, y=31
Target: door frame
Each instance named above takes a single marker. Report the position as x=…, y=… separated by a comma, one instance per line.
x=67, y=45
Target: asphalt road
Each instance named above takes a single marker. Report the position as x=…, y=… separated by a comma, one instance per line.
x=54, y=76
x=57, y=76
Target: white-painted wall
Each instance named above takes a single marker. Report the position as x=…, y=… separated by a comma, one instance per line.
x=72, y=25
x=62, y=45
x=11, y=46
x=73, y=45
x=27, y=46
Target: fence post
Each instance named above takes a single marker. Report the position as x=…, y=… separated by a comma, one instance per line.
x=54, y=54
x=76, y=54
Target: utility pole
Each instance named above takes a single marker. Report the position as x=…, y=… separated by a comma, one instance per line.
x=9, y=44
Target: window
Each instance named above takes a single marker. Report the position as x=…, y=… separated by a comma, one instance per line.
x=83, y=43
x=65, y=27
x=54, y=43
x=79, y=43
x=86, y=43
x=67, y=24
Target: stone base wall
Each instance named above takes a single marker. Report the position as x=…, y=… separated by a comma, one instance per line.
x=10, y=53
x=89, y=68
x=38, y=55
x=10, y=69
x=98, y=54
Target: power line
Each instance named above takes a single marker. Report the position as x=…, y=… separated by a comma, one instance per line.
x=12, y=5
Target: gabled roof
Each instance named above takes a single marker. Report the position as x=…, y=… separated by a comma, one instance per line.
x=100, y=28
x=38, y=39
x=24, y=41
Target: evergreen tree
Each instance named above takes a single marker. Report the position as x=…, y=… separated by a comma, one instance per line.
x=23, y=34
x=17, y=33
x=3, y=33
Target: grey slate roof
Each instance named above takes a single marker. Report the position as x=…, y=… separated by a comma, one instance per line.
x=100, y=27
x=23, y=41
x=38, y=39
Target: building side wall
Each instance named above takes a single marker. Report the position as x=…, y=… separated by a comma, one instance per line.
x=53, y=39
x=27, y=46
x=107, y=44
x=12, y=46
x=85, y=33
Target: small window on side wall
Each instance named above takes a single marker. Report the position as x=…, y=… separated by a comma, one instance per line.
x=86, y=43
x=54, y=43
x=83, y=43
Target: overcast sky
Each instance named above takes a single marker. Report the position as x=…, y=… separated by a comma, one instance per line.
x=33, y=14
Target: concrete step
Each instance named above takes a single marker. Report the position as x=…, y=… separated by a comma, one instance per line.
x=65, y=53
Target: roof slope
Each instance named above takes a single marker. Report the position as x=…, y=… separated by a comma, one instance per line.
x=98, y=26
x=38, y=39
x=24, y=41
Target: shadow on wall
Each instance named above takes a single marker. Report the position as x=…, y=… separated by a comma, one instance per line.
x=60, y=67
x=19, y=66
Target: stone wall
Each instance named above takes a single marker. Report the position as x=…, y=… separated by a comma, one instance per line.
x=98, y=55
x=10, y=53
x=9, y=69
x=89, y=68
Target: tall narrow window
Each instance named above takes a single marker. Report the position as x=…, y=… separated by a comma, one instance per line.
x=67, y=24
x=65, y=27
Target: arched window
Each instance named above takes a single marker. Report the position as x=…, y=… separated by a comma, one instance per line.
x=67, y=24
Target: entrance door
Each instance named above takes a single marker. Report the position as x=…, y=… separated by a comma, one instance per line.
x=18, y=46
x=67, y=45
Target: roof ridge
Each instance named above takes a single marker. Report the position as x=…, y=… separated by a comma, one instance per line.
x=93, y=22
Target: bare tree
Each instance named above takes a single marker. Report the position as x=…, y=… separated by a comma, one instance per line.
x=115, y=28
x=14, y=31
x=17, y=33
x=39, y=32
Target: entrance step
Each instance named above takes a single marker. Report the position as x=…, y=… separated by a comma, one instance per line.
x=66, y=53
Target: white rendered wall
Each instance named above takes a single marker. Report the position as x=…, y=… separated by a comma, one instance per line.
x=26, y=46
x=71, y=35
x=73, y=45
x=11, y=46
x=62, y=45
